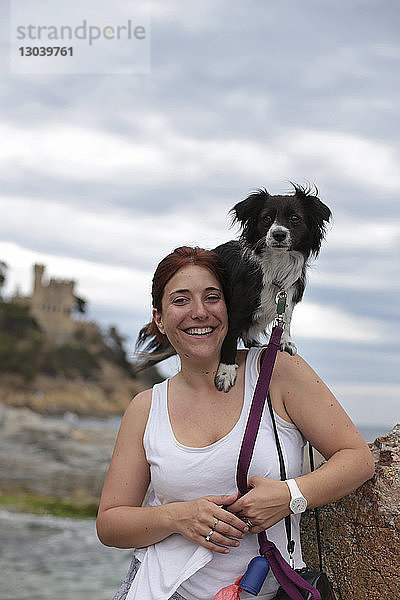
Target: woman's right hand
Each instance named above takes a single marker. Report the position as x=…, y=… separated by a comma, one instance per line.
x=195, y=520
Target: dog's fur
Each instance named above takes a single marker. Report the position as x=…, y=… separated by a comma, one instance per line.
x=278, y=236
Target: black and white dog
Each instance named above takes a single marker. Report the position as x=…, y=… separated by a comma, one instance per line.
x=278, y=236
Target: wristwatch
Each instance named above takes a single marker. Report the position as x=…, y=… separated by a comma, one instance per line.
x=298, y=503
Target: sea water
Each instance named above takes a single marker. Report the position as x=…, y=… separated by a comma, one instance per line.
x=51, y=558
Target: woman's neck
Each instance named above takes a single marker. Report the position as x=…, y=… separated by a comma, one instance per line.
x=197, y=375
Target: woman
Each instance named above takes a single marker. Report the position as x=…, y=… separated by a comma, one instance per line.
x=184, y=436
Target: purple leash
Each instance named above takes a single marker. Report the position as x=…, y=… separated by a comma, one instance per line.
x=257, y=408
x=287, y=577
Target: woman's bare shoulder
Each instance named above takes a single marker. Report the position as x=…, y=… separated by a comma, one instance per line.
x=298, y=385
x=295, y=367
x=142, y=400
x=138, y=410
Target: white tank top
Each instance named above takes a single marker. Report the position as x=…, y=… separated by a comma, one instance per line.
x=181, y=473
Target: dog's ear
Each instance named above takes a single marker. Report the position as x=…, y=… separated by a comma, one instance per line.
x=318, y=215
x=247, y=210
x=309, y=195
x=320, y=208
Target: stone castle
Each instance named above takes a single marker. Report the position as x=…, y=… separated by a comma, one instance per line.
x=52, y=303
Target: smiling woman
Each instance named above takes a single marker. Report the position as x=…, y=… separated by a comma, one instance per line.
x=153, y=344
x=194, y=317
x=183, y=437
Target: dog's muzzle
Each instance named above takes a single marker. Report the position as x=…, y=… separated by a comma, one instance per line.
x=278, y=237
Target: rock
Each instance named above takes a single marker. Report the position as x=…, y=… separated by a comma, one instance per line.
x=361, y=533
x=58, y=395
x=51, y=456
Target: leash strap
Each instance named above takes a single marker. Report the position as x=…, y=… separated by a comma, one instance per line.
x=283, y=478
x=288, y=521
x=287, y=577
x=256, y=410
x=282, y=469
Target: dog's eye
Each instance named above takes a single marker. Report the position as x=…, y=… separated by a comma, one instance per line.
x=295, y=219
x=267, y=219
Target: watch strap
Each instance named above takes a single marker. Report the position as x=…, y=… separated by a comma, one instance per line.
x=294, y=488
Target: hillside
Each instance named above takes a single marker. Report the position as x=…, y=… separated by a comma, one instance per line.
x=89, y=376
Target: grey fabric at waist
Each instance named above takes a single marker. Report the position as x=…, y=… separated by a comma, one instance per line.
x=130, y=576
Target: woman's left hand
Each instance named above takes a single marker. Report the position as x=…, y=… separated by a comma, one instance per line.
x=264, y=505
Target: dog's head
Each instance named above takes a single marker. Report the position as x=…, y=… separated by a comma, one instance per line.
x=293, y=222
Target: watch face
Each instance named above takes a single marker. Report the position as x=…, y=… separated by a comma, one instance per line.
x=298, y=505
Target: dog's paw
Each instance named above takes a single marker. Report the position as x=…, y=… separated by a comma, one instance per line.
x=289, y=347
x=225, y=377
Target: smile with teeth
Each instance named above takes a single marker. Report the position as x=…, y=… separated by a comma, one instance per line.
x=199, y=330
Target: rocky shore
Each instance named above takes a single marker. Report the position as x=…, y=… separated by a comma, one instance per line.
x=57, y=395
x=52, y=457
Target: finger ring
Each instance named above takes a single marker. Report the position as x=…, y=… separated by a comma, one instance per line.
x=248, y=522
x=215, y=523
x=208, y=537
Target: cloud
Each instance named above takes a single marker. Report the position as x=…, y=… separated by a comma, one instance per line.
x=159, y=151
x=325, y=322
x=365, y=162
x=372, y=276
x=77, y=152
x=370, y=404
x=111, y=235
x=349, y=62
x=351, y=232
x=358, y=255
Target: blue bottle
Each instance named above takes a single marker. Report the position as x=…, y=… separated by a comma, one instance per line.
x=255, y=575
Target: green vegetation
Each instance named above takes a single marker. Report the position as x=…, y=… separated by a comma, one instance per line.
x=21, y=341
x=3, y=274
x=25, y=351
x=115, y=347
x=80, y=305
x=43, y=505
x=70, y=361
x=16, y=320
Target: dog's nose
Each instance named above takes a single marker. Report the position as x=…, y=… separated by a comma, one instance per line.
x=279, y=235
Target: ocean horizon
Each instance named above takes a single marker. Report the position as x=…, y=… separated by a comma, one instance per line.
x=369, y=432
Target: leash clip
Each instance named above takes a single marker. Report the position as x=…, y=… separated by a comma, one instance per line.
x=280, y=301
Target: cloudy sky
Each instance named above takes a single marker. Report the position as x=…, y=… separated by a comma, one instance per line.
x=103, y=174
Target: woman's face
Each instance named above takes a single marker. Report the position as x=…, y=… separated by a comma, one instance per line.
x=193, y=315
